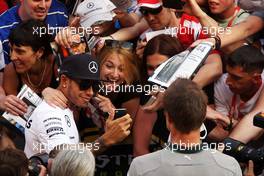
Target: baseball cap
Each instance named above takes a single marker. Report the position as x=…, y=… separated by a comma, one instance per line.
x=92, y=11
x=80, y=66
x=153, y=4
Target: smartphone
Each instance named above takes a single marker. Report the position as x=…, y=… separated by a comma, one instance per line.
x=120, y=112
x=151, y=100
x=173, y=4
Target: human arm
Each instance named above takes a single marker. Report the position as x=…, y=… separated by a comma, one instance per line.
x=204, y=19
x=238, y=32
x=210, y=71
x=55, y=97
x=130, y=32
x=245, y=130
x=126, y=19
x=142, y=131
x=116, y=131
x=131, y=106
x=8, y=99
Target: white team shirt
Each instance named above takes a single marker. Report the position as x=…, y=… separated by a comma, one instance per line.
x=48, y=127
x=223, y=99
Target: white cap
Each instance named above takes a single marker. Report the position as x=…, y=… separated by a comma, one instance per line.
x=92, y=11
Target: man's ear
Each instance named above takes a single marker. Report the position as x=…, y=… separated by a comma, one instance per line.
x=169, y=122
x=64, y=81
x=257, y=78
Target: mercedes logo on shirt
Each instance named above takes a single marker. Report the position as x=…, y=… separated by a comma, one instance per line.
x=68, y=121
x=93, y=67
x=90, y=5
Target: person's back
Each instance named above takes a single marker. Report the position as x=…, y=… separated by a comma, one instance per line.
x=164, y=162
x=185, y=107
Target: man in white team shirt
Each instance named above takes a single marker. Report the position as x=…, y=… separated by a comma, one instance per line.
x=51, y=126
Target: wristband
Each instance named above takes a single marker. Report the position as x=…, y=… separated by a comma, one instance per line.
x=217, y=45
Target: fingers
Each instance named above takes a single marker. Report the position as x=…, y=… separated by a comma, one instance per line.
x=54, y=98
x=43, y=170
x=250, y=168
x=125, y=120
x=156, y=105
x=63, y=38
x=14, y=105
x=140, y=48
x=75, y=22
x=105, y=104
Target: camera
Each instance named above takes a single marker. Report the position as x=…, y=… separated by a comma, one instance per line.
x=35, y=160
x=243, y=153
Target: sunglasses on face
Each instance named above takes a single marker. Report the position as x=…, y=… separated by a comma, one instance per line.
x=119, y=44
x=87, y=84
x=146, y=11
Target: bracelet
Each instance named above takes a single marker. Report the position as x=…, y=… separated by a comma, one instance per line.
x=101, y=142
x=217, y=42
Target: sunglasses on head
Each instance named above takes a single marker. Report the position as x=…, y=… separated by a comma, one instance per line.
x=87, y=84
x=146, y=11
x=119, y=44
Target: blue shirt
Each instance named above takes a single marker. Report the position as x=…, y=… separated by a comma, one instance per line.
x=57, y=17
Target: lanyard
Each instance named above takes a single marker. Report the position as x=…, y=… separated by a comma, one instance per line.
x=234, y=16
x=232, y=111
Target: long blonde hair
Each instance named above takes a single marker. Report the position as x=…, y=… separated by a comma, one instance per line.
x=129, y=60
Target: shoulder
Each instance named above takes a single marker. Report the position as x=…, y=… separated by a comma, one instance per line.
x=241, y=16
x=57, y=15
x=45, y=109
x=147, y=163
x=221, y=83
x=9, y=15
x=226, y=162
x=57, y=8
x=8, y=20
x=189, y=18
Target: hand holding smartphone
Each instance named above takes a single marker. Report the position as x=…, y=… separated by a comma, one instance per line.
x=120, y=113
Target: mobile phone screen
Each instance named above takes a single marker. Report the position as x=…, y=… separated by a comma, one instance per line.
x=120, y=113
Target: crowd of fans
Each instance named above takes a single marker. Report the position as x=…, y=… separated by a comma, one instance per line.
x=82, y=57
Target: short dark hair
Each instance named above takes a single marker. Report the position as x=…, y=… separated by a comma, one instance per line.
x=27, y=33
x=248, y=57
x=185, y=104
x=13, y=162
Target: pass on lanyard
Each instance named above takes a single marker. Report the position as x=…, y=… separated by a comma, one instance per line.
x=234, y=16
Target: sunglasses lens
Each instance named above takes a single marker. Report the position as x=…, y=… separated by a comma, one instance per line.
x=156, y=11
x=119, y=44
x=96, y=86
x=85, y=84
